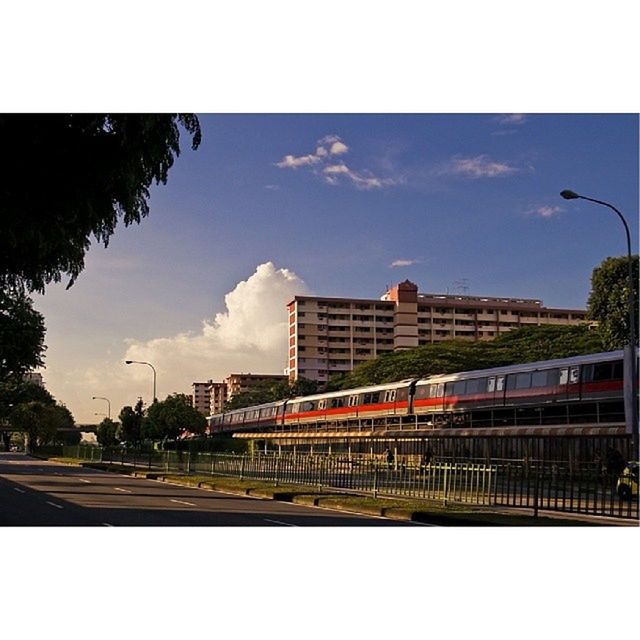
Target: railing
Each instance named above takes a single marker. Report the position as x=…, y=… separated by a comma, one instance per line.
x=578, y=488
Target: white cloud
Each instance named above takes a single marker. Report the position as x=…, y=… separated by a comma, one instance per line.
x=403, y=263
x=293, y=162
x=250, y=335
x=478, y=167
x=510, y=119
x=545, y=211
x=327, y=147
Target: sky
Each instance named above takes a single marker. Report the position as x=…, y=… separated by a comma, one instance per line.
x=275, y=205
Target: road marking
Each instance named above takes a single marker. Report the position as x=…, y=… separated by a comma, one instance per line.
x=123, y=490
x=83, y=480
x=191, y=504
x=106, y=524
x=53, y=504
x=287, y=524
x=18, y=490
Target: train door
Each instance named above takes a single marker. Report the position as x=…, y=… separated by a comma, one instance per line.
x=570, y=382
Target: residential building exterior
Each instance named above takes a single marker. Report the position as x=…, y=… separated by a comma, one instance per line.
x=209, y=397
x=243, y=382
x=332, y=335
x=200, y=396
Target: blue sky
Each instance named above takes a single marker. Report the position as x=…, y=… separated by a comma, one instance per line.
x=348, y=204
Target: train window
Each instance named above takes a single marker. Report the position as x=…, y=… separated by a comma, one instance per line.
x=402, y=394
x=500, y=383
x=617, y=370
x=459, y=388
x=440, y=390
x=433, y=390
x=424, y=391
x=478, y=385
x=308, y=406
x=539, y=379
x=574, y=375
x=390, y=395
x=564, y=376
x=353, y=401
x=491, y=385
x=322, y=404
x=523, y=380
x=602, y=371
x=334, y=403
x=371, y=398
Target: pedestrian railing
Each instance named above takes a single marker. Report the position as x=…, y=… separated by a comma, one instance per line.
x=533, y=484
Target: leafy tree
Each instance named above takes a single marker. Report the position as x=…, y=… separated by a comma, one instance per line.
x=131, y=423
x=21, y=334
x=107, y=433
x=527, y=344
x=166, y=420
x=609, y=301
x=73, y=176
x=14, y=392
x=39, y=421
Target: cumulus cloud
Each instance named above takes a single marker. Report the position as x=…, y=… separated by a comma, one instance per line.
x=250, y=335
x=478, y=167
x=324, y=162
x=545, y=211
x=403, y=263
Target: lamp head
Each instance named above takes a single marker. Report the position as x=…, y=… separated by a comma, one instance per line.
x=569, y=195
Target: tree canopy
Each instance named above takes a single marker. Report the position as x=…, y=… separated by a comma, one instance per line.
x=131, y=421
x=73, y=176
x=40, y=421
x=609, y=300
x=166, y=420
x=107, y=432
x=527, y=344
x=21, y=334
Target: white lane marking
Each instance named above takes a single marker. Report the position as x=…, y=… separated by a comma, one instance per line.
x=83, y=480
x=123, y=490
x=106, y=524
x=191, y=504
x=18, y=490
x=287, y=524
x=53, y=504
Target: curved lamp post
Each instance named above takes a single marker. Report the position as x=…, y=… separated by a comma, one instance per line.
x=633, y=409
x=154, y=374
x=108, y=403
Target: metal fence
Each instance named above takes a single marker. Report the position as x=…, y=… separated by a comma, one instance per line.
x=534, y=484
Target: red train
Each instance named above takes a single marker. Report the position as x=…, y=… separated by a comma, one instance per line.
x=569, y=391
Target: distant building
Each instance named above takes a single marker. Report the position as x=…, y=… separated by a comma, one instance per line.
x=333, y=335
x=200, y=396
x=244, y=382
x=209, y=397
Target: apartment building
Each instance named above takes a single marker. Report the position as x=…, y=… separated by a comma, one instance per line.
x=332, y=335
x=209, y=397
x=200, y=396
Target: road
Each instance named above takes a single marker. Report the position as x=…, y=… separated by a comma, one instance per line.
x=41, y=493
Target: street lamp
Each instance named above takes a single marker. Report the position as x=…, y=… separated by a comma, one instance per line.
x=630, y=400
x=154, y=374
x=108, y=403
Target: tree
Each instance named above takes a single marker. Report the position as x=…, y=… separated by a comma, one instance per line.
x=21, y=334
x=166, y=420
x=106, y=433
x=72, y=176
x=131, y=421
x=609, y=300
x=528, y=344
x=39, y=421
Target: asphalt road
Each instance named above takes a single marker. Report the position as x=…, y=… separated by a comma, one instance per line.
x=40, y=493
